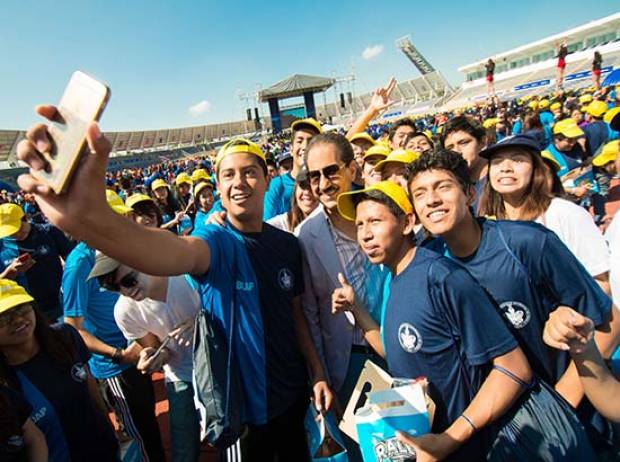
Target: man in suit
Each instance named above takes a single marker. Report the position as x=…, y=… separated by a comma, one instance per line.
x=332, y=253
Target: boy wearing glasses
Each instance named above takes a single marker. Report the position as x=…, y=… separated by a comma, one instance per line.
x=149, y=310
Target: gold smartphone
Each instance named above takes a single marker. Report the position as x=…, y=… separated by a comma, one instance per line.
x=82, y=102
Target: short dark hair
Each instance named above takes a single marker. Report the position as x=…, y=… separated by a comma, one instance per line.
x=378, y=196
x=462, y=123
x=442, y=159
x=340, y=142
x=406, y=122
x=148, y=208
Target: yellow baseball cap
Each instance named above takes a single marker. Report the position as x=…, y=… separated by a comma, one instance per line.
x=346, y=207
x=568, y=128
x=135, y=198
x=543, y=104
x=309, y=122
x=597, y=108
x=116, y=203
x=555, y=106
x=200, y=174
x=609, y=153
x=584, y=99
x=238, y=145
x=10, y=219
x=12, y=295
x=363, y=136
x=609, y=115
x=158, y=183
x=378, y=149
x=202, y=185
x=183, y=178
x=402, y=156
x=548, y=156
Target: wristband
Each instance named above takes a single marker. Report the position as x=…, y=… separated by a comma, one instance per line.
x=117, y=355
x=469, y=421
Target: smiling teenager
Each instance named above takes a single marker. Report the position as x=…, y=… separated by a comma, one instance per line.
x=523, y=266
x=439, y=323
x=247, y=266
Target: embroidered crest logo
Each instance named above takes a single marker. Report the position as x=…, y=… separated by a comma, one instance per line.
x=409, y=338
x=285, y=279
x=517, y=313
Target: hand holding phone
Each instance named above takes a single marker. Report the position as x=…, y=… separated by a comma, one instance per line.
x=82, y=103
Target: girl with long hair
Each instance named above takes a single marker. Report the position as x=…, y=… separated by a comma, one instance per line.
x=47, y=365
x=520, y=186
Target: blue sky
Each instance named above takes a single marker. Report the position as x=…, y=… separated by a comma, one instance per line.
x=162, y=57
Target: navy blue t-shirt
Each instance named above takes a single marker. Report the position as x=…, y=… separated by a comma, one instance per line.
x=597, y=134
x=46, y=244
x=14, y=411
x=258, y=275
x=528, y=271
x=62, y=408
x=439, y=323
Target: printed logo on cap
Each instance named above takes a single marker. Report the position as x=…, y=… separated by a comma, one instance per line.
x=517, y=313
x=409, y=338
x=285, y=279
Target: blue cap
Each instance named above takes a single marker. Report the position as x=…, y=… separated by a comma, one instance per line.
x=283, y=156
x=523, y=141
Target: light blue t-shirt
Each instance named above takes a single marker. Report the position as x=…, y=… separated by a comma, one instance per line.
x=82, y=298
x=278, y=196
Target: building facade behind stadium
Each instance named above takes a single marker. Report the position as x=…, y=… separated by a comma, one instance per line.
x=519, y=72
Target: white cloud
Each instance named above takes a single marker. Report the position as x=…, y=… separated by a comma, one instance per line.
x=200, y=108
x=372, y=52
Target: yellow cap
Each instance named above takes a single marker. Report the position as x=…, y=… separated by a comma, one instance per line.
x=309, y=122
x=378, y=149
x=402, y=156
x=363, y=136
x=116, y=203
x=489, y=123
x=568, y=128
x=584, y=99
x=555, y=106
x=543, y=104
x=238, y=145
x=183, y=178
x=10, y=219
x=135, y=198
x=202, y=185
x=547, y=155
x=200, y=174
x=597, y=108
x=158, y=183
x=607, y=154
x=390, y=189
x=533, y=105
x=12, y=295
x=609, y=115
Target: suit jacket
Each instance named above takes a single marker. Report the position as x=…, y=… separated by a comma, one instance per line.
x=332, y=333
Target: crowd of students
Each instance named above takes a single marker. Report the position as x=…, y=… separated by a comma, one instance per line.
x=458, y=246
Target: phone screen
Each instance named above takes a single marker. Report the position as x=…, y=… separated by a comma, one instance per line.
x=82, y=102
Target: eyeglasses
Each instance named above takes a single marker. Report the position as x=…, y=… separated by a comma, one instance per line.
x=7, y=317
x=331, y=172
x=128, y=281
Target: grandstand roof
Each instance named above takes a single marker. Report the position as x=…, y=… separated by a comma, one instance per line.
x=296, y=85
